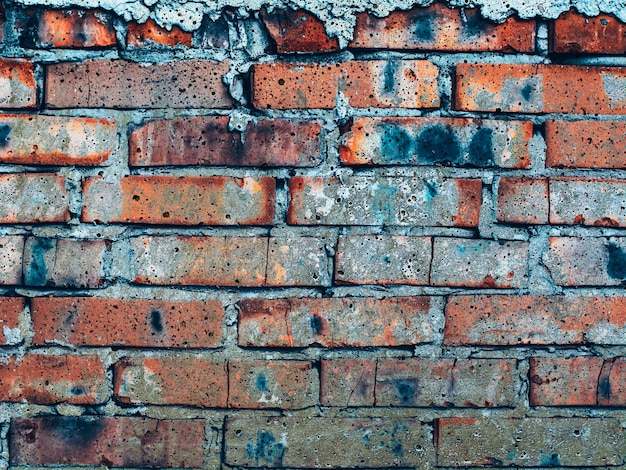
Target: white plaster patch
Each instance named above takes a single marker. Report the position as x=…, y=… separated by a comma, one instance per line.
x=12, y=335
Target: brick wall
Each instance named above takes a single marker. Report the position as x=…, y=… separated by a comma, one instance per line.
x=246, y=247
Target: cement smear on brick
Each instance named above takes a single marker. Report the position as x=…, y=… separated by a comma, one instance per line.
x=338, y=16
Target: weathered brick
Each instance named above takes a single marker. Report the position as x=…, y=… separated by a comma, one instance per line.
x=11, y=259
x=10, y=311
x=573, y=32
x=537, y=88
x=272, y=384
x=503, y=320
x=381, y=259
x=585, y=201
x=337, y=322
x=2, y=21
x=56, y=140
x=523, y=200
x=92, y=321
x=150, y=34
x=17, y=84
x=578, y=381
x=111, y=441
x=441, y=28
x=33, y=198
x=587, y=261
x=446, y=382
x=171, y=381
x=127, y=85
x=298, y=31
x=229, y=261
x=436, y=141
x=64, y=262
x=462, y=262
x=206, y=140
x=48, y=380
x=307, y=442
x=348, y=382
x=188, y=200
x=75, y=28
x=585, y=144
x=530, y=442
x=360, y=200
x=371, y=83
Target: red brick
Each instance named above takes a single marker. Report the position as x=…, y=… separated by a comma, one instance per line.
x=587, y=261
x=441, y=28
x=298, y=31
x=48, y=380
x=206, y=140
x=474, y=383
x=598, y=202
x=11, y=260
x=171, y=381
x=10, y=310
x=229, y=261
x=17, y=84
x=56, y=140
x=384, y=201
x=337, y=322
x=537, y=88
x=272, y=384
x=371, y=83
x=184, y=200
x=573, y=32
x=128, y=85
x=33, y=198
x=578, y=381
x=463, y=262
x=348, y=382
x=504, y=320
x=75, y=28
x=64, y=262
x=93, y=321
x=150, y=34
x=111, y=441
x=523, y=200
x=585, y=144
x=402, y=141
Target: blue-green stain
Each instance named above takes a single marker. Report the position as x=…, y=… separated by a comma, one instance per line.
x=604, y=386
x=553, y=460
x=527, y=91
x=616, y=265
x=261, y=383
x=397, y=146
x=511, y=455
x=37, y=271
x=382, y=202
x=430, y=190
x=77, y=391
x=74, y=431
x=156, y=322
x=5, y=131
x=389, y=74
x=461, y=249
x=395, y=443
x=406, y=390
x=438, y=144
x=423, y=25
x=473, y=23
x=481, y=148
x=316, y=325
x=266, y=450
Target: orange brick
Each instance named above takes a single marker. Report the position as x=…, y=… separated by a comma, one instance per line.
x=189, y=200
x=150, y=34
x=10, y=310
x=585, y=144
x=56, y=140
x=574, y=32
x=373, y=83
x=94, y=321
x=33, y=198
x=272, y=384
x=297, y=31
x=18, y=89
x=523, y=319
x=533, y=88
x=48, y=380
x=171, y=381
x=441, y=28
x=523, y=200
x=41, y=29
